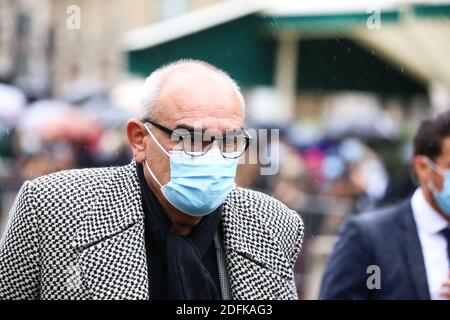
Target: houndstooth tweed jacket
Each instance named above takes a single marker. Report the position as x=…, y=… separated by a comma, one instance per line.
x=79, y=234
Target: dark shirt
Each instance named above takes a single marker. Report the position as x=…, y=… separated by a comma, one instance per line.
x=159, y=243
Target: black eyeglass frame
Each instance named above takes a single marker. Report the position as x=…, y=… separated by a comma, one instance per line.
x=245, y=135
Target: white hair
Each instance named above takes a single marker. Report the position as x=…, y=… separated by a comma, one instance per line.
x=149, y=106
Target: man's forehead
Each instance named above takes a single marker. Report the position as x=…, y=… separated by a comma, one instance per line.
x=199, y=127
x=215, y=115
x=214, y=118
x=210, y=124
x=196, y=90
x=202, y=102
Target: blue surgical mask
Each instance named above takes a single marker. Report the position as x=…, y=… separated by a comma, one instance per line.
x=442, y=198
x=198, y=185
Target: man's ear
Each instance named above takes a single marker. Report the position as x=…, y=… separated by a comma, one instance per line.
x=136, y=133
x=421, y=168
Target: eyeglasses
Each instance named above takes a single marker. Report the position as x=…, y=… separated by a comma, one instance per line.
x=196, y=143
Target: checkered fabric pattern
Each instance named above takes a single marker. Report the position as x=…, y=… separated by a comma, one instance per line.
x=79, y=234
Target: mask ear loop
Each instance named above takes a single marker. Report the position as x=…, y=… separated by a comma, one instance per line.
x=436, y=169
x=161, y=147
x=152, y=174
x=156, y=141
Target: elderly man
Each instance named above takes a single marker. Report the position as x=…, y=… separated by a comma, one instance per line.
x=171, y=224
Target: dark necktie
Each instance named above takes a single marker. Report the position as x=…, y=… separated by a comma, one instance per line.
x=446, y=233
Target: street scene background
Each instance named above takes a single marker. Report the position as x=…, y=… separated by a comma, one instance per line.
x=344, y=84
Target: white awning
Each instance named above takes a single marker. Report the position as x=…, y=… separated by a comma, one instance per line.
x=420, y=47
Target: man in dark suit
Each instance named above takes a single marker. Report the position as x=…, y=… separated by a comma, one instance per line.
x=401, y=252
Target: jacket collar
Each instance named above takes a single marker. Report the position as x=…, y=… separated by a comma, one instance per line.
x=257, y=267
x=246, y=233
x=116, y=205
x=110, y=238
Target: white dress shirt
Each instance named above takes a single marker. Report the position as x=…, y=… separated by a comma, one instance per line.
x=434, y=245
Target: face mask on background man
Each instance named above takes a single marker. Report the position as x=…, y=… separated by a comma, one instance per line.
x=442, y=197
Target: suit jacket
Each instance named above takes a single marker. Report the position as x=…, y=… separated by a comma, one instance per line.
x=386, y=238
x=79, y=234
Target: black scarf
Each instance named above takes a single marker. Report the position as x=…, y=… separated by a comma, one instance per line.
x=184, y=267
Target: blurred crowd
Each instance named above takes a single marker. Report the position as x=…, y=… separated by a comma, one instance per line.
x=38, y=137
x=43, y=136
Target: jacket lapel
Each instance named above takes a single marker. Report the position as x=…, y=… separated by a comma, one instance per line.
x=110, y=241
x=111, y=247
x=412, y=251
x=255, y=262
